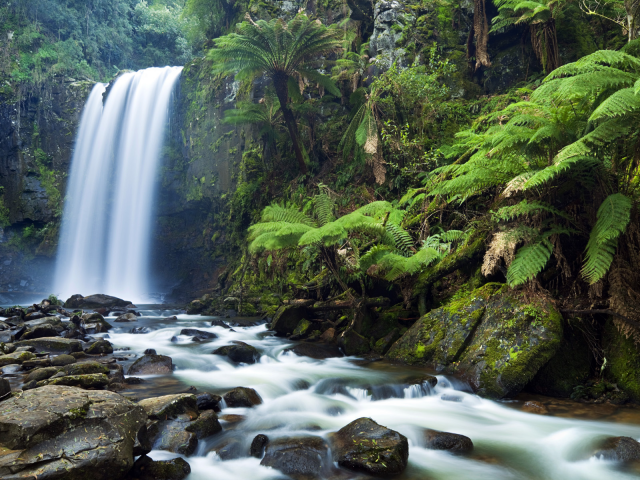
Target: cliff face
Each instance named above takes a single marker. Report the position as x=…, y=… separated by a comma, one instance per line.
x=37, y=132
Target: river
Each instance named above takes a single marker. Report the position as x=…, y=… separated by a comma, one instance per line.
x=306, y=396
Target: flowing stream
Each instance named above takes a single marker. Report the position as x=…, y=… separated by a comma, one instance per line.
x=303, y=396
x=106, y=227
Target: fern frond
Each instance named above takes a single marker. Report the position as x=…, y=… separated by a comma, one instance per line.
x=402, y=240
x=528, y=262
x=525, y=208
x=620, y=103
x=324, y=206
x=277, y=213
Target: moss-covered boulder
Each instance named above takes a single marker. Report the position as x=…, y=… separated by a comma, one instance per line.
x=287, y=319
x=95, y=323
x=242, y=397
x=52, y=345
x=494, y=338
x=95, y=301
x=147, y=469
x=15, y=357
x=100, y=347
x=353, y=343
x=623, y=361
x=239, y=352
x=85, y=368
x=170, y=406
x=151, y=365
x=299, y=457
x=96, y=381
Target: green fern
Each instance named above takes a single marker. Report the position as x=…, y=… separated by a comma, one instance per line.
x=529, y=261
x=612, y=220
x=324, y=206
x=401, y=238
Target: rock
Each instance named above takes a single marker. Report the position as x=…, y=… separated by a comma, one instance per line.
x=53, y=345
x=354, y=448
x=383, y=345
x=172, y=318
x=621, y=449
x=170, y=406
x=7, y=336
x=95, y=323
x=16, y=357
x=239, y=352
x=40, y=374
x=62, y=360
x=230, y=448
x=85, y=368
x=316, y=350
x=242, y=397
x=287, y=319
x=494, y=339
x=258, y=444
x=142, y=330
x=100, y=347
x=535, y=407
x=328, y=335
x=302, y=330
x=353, y=343
x=6, y=348
x=65, y=432
x=208, y=401
x=452, y=442
x=36, y=363
x=95, y=301
x=299, y=457
x=623, y=360
x=5, y=390
x=127, y=317
x=171, y=435
x=146, y=469
x=41, y=331
x=151, y=365
x=96, y=381
x=219, y=323
x=205, y=425
x=389, y=23
x=150, y=351
x=201, y=334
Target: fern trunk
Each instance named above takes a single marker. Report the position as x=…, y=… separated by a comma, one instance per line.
x=544, y=40
x=280, y=82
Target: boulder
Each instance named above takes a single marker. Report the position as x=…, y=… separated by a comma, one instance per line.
x=150, y=351
x=242, y=397
x=95, y=323
x=171, y=435
x=53, y=345
x=41, y=331
x=170, y=406
x=208, y=401
x=85, y=368
x=40, y=374
x=100, y=347
x=353, y=343
x=146, y=469
x=96, y=381
x=287, y=319
x=451, y=442
x=364, y=446
x=62, y=360
x=151, y=365
x=318, y=351
x=258, y=445
x=59, y=432
x=219, y=323
x=127, y=317
x=621, y=449
x=143, y=330
x=494, y=339
x=15, y=357
x=239, y=352
x=300, y=457
x=198, y=334
x=95, y=301
x=230, y=448
x=5, y=389
x=205, y=425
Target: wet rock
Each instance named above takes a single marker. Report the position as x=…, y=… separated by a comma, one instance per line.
x=147, y=469
x=65, y=432
x=151, y=365
x=95, y=323
x=170, y=406
x=6, y=348
x=299, y=457
x=316, y=350
x=100, y=347
x=142, y=330
x=621, y=449
x=328, y=336
x=15, y=357
x=365, y=446
x=230, y=449
x=205, y=425
x=383, y=345
x=451, y=442
x=242, y=397
x=133, y=381
x=62, y=360
x=287, y=319
x=127, y=317
x=353, y=343
x=172, y=318
x=85, y=368
x=194, y=332
x=219, y=323
x=41, y=331
x=494, y=339
x=7, y=337
x=535, y=407
x=95, y=301
x=41, y=374
x=142, y=444
x=96, y=381
x=171, y=435
x=258, y=445
x=208, y=401
x=239, y=352
x=36, y=363
x=150, y=351
x=5, y=389
x=53, y=345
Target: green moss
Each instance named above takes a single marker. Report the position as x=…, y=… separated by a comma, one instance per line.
x=623, y=361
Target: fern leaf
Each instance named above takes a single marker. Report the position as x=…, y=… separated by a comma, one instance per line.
x=529, y=261
x=324, y=206
x=277, y=213
x=620, y=103
x=402, y=240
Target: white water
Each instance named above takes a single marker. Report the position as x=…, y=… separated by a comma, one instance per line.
x=303, y=396
x=106, y=227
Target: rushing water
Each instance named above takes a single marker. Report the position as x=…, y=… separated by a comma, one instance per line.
x=106, y=227
x=303, y=396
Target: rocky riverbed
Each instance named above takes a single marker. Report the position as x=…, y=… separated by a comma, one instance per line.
x=105, y=389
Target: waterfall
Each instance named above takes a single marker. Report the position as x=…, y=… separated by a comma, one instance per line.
x=106, y=224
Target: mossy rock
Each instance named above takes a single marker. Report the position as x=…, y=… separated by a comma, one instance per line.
x=96, y=381
x=52, y=345
x=249, y=310
x=287, y=319
x=85, y=368
x=495, y=339
x=302, y=328
x=100, y=347
x=354, y=344
x=623, y=361
x=15, y=357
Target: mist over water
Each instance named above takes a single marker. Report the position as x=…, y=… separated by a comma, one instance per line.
x=106, y=226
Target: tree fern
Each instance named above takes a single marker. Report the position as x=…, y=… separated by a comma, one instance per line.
x=401, y=238
x=529, y=261
x=612, y=220
x=324, y=206
x=277, y=213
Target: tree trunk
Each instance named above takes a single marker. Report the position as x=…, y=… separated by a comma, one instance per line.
x=280, y=84
x=631, y=8
x=481, y=31
x=544, y=40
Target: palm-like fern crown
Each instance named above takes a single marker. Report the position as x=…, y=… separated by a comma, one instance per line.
x=266, y=114
x=517, y=12
x=275, y=47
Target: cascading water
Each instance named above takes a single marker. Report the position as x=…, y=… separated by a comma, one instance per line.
x=106, y=230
